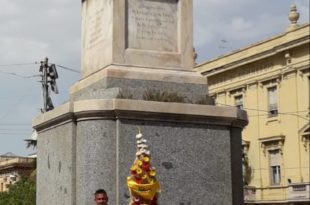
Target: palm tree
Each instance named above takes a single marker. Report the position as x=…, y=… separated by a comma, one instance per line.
x=32, y=142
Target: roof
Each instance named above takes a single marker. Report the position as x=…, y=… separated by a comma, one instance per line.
x=9, y=154
x=257, y=51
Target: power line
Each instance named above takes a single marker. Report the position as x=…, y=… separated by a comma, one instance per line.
x=15, y=124
x=16, y=133
x=18, y=75
x=279, y=113
x=253, y=109
x=17, y=64
x=2, y=129
x=282, y=114
x=5, y=133
x=23, y=64
x=10, y=97
x=67, y=68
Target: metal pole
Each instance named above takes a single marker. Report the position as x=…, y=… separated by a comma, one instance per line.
x=44, y=66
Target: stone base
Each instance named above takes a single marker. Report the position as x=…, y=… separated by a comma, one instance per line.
x=90, y=144
x=118, y=81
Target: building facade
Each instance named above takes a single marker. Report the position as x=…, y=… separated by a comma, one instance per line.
x=12, y=168
x=271, y=81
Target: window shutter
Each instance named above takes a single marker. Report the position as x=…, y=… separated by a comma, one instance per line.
x=272, y=95
x=274, y=158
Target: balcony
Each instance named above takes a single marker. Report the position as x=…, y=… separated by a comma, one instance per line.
x=298, y=192
x=295, y=192
x=249, y=193
x=14, y=163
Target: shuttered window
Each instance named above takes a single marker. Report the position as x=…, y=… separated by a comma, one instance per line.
x=275, y=166
x=272, y=101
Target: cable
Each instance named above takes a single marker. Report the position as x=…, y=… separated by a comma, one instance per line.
x=282, y=114
x=283, y=168
x=22, y=64
x=10, y=97
x=279, y=113
x=18, y=75
x=5, y=133
x=17, y=64
x=15, y=124
x=15, y=74
x=15, y=129
x=69, y=69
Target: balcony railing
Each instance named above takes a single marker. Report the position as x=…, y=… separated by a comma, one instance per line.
x=298, y=192
x=15, y=161
x=249, y=193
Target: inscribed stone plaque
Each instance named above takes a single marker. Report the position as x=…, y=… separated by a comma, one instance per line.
x=96, y=35
x=97, y=29
x=152, y=25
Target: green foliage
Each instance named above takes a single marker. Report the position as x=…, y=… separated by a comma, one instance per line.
x=164, y=96
x=123, y=94
x=205, y=100
x=32, y=143
x=247, y=170
x=22, y=192
x=156, y=95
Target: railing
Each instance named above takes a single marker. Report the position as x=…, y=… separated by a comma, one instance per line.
x=15, y=160
x=298, y=192
x=249, y=193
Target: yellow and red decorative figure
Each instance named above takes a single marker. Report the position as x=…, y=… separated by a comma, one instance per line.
x=142, y=183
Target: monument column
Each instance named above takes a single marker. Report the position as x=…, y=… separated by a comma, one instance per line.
x=151, y=34
x=137, y=71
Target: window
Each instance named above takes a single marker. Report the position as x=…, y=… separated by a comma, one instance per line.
x=272, y=101
x=275, y=166
x=239, y=102
x=276, y=175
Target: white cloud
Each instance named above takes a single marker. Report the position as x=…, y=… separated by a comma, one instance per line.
x=9, y=8
x=303, y=8
x=240, y=23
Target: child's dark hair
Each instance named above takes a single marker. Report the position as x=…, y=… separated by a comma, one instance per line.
x=100, y=191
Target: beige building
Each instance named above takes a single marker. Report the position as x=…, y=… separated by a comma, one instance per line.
x=12, y=168
x=271, y=81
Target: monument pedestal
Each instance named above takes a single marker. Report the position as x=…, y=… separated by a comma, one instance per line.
x=90, y=144
x=137, y=71
x=131, y=82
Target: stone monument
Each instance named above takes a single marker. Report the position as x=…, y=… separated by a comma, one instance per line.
x=137, y=71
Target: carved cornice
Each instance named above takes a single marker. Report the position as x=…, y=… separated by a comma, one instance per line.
x=141, y=110
x=271, y=143
x=258, y=56
x=259, y=51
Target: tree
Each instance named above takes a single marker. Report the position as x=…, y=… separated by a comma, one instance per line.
x=247, y=170
x=22, y=192
x=31, y=143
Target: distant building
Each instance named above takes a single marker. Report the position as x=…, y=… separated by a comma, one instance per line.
x=271, y=81
x=13, y=167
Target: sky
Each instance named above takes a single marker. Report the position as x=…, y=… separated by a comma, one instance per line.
x=34, y=29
